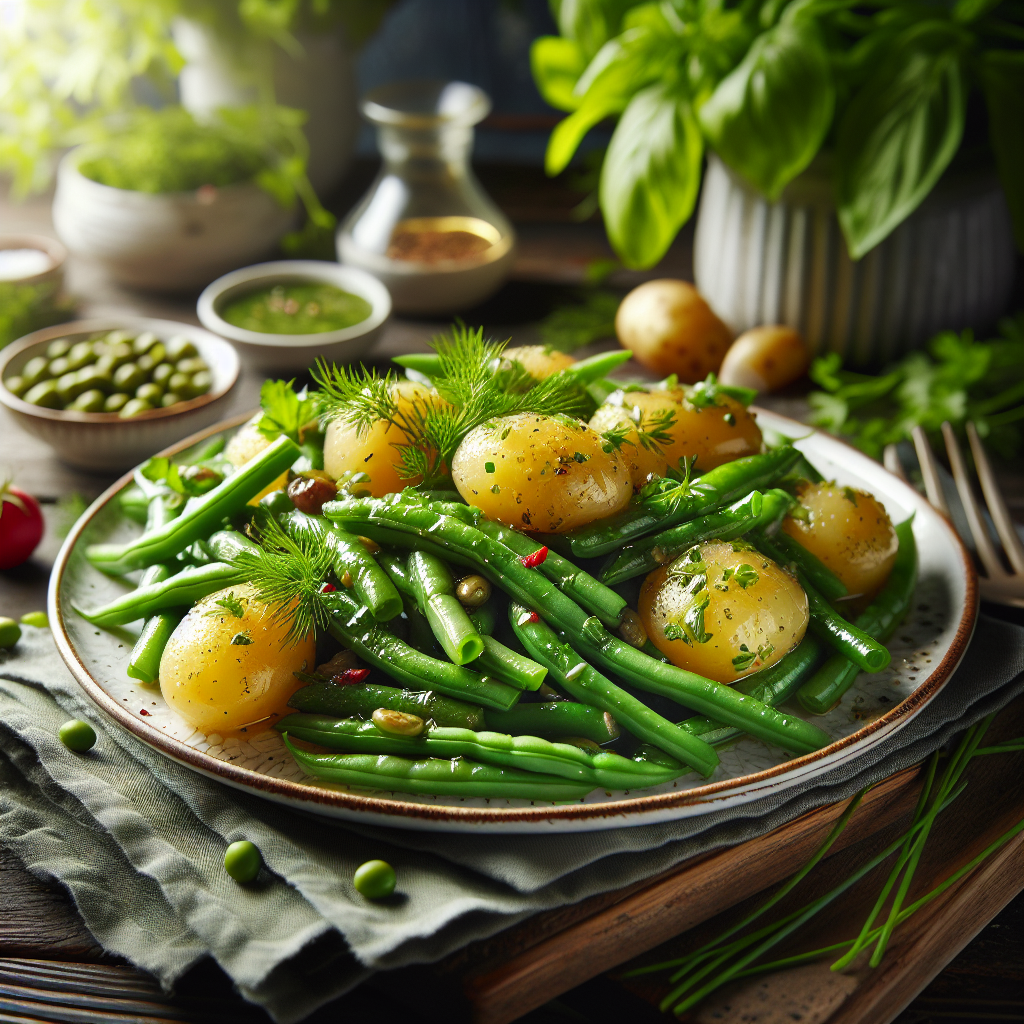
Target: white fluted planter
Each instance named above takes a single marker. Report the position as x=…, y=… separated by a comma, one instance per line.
x=948, y=266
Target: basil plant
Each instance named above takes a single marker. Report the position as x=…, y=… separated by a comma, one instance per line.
x=885, y=86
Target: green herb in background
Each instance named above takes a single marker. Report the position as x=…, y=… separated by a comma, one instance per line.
x=69, y=511
x=25, y=308
x=576, y=324
x=957, y=379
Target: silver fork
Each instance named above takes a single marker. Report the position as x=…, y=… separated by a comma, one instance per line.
x=997, y=585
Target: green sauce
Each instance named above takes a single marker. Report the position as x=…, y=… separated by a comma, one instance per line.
x=296, y=309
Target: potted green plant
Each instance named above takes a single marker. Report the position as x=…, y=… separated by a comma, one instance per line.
x=827, y=125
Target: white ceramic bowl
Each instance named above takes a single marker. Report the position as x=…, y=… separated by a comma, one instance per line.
x=176, y=241
x=294, y=353
x=104, y=441
x=57, y=254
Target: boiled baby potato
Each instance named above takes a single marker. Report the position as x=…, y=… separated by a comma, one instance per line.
x=538, y=361
x=374, y=451
x=669, y=327
x=850, y=531
x=546, y=474
x=765, y=359
x=715, y=431
x=646, y=409
x=723, y=610
x=227, y=664
x=247, y=443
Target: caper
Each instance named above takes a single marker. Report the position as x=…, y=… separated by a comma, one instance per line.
x=144, y=342
x=80, y=354
x=151, y=393
x=180, y=383
x=44, y=395
x=473, y=591
x=170, y=398
x=59, y=347
x=59, y=366
x=134, y=407
x=162, y=373
x=180, y=347
x=201, y=382
x=145, y=364
x=94, y=376
x=88, y=401
x=191, y=365
x=35, y=370
x=128, y=377
x=631, y=628
x=397, y=723
x=16, y=385
x=115, y=402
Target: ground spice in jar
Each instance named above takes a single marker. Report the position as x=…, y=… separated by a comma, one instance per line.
x=434, y=246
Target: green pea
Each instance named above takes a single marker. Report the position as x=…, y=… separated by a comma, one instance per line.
x=180, y=347
x=37, y=619
x=119, y=337
x=145, y=364
x=128, y=377
x=10, y=632
x=77, y=735
x=375, y=879
x=35, y=370
x=180, y=383
x=16, y=385
x=80, y=354
x=158, y=353
x=191, y=365
x=242, y=861
x=144, y=342
x=95, y=376
x=201, y=382
x=88, y=401
x=57, y=348
x=58, y=367
x=134, y=407
x=120, y=354
x=44, y=395
x=67, y=387
x=170, y=398
x=162, y=373
x=115, y=402
x=151, y=393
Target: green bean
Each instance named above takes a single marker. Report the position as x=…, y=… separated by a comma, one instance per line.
x=826, y=687
x=382, y=649
x=144, y=661
x=483, y=619
x=501, y=662
x=134, y=503
x=554, y=720
x=397, y=569
x=421, y=636
x=427, y=363
x=200, y=519
x=681, y=502
x=588, y=686
x=369, y=581
x=227, y=545
x=586, y=371
x=162, y=509
x=825, y=581
x=845, y=637
x=529, y=753
x=647, y=553
x=435, y=595
x=179, y=591
x=362, y=699
x=434, y=777
x=415, y=526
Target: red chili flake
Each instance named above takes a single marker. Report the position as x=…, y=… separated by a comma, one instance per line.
x=534, y=617
x=350, y=676
x=328, y=588
x=537, y=558
x=145, y=712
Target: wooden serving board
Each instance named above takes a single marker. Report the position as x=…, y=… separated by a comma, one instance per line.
x=497, y=980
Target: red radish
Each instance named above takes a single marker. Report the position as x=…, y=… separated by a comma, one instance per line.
x=21, y=525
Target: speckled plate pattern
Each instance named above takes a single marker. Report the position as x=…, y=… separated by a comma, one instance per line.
x=925, y=651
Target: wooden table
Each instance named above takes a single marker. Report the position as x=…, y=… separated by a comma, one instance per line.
x=50, y=963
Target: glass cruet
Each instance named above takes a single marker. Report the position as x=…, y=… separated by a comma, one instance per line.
x=426, y=227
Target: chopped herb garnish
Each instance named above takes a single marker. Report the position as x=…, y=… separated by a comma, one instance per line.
x=241, y=639
x=229, y=604
x=746, y=658
x=488, y=467
x=745, y=575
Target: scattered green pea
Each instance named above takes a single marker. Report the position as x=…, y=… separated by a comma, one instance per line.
x=134, y=407
x=10, y=632
x=77, y=735
x=115, y=402
x=242, y=861
x=375, y=879
x=35, y=619
x=57, y=348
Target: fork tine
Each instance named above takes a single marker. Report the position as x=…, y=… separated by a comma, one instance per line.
x=891, y=461
x=982, y=540
x=930, y=471
x=994, y=499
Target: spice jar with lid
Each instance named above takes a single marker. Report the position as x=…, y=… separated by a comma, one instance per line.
x=426, y=228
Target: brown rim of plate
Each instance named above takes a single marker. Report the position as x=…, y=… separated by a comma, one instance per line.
x=398, y=808
x=45, y=334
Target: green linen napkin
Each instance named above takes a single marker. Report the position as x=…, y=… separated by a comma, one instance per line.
x=138, y=842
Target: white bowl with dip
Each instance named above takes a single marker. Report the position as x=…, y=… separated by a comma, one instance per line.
x=32, y=259
x=294, y=353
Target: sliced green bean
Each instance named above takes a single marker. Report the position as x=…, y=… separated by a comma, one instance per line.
x=200, y=519
x=362, y=699
x=681, y=502
x=555, y=720
x=825, y=581
x=134, y=503
x=594, y=368
x=144, y=661
x=421, y=636
x=162, y=509
x=528, y=753
x=435, y=777
x=826, y=687
x=435, y=595
x=501, y=662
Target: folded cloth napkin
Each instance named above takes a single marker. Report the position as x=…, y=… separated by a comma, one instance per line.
x=139, y=840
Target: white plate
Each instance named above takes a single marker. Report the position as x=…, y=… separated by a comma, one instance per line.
x=925, y=650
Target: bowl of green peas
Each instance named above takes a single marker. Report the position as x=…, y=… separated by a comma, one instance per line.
x=107, y=393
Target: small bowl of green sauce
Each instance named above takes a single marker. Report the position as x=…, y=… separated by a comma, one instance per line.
x=284, y=315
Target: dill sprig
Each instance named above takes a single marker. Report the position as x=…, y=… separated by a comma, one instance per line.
x=287, y=575
x=474, y=386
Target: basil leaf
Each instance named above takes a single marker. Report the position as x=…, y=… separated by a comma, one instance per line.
x=651, y=173
x=591, y=23
x=768, y=118
x=899, y=133
x=1002, y=77
x=557, y=64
